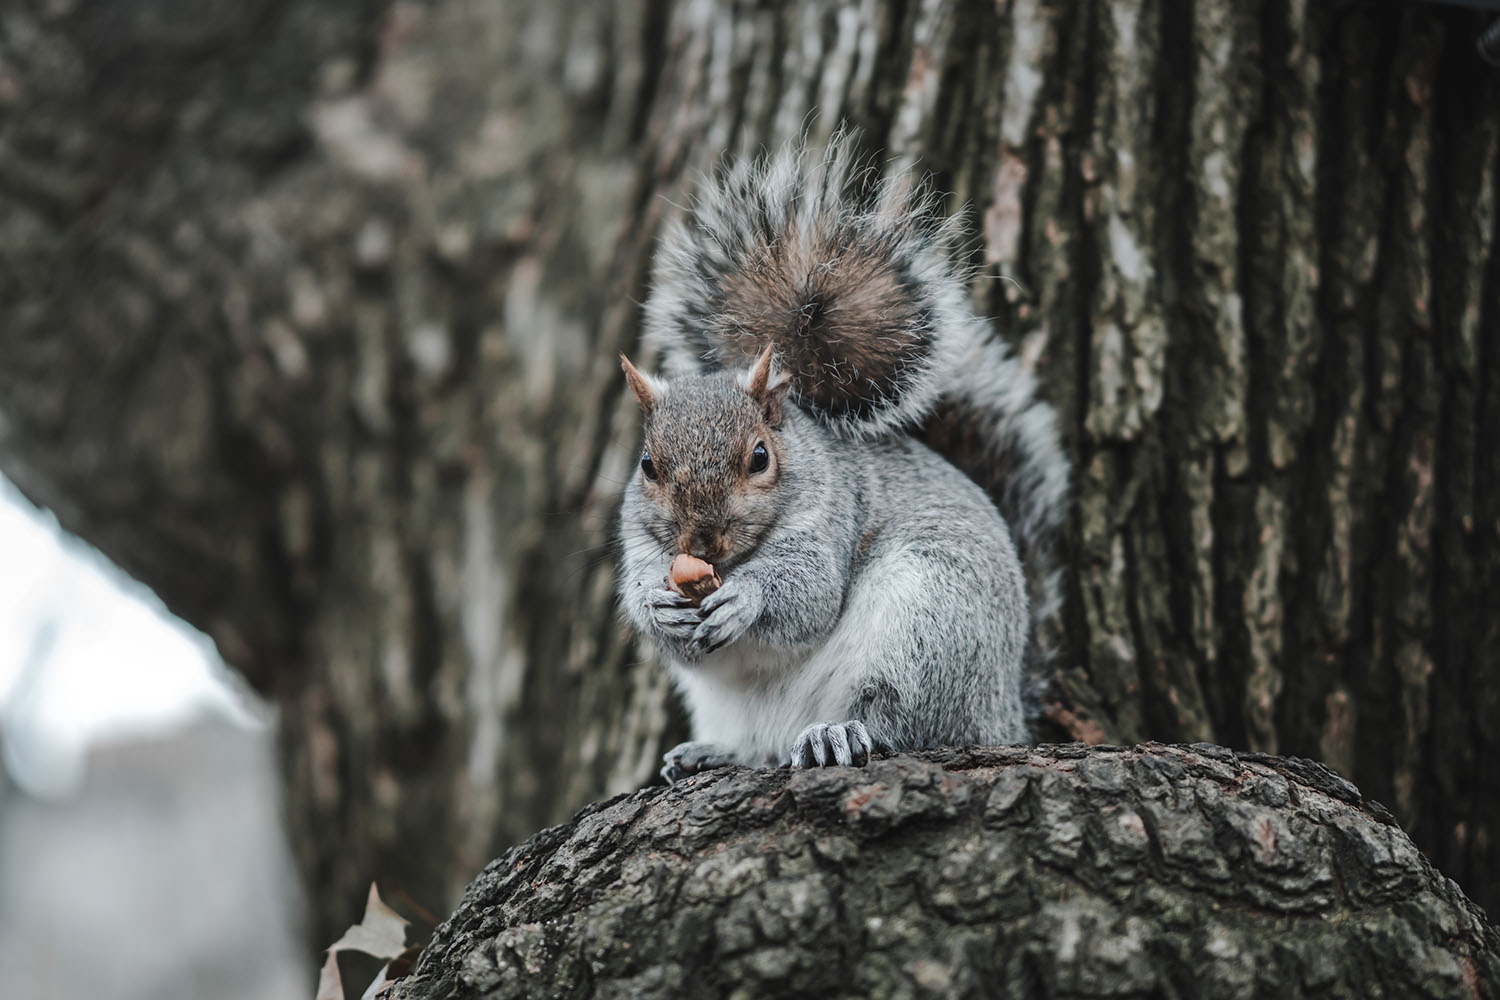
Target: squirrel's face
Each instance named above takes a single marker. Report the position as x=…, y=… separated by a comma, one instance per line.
x=712, y=461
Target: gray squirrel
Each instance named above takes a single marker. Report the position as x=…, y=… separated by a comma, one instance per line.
x=860, y=462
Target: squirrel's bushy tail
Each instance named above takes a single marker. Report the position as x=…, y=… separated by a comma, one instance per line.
x=850, y=277
x=846, y=274
x=991, y=425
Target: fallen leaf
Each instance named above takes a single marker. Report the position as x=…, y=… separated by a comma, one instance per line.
x=330, y=983
x=379, y=986
x=403, y=963
x=393, y=970
x=382, y=931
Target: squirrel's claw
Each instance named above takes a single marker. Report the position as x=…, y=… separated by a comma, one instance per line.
x=690, y=758
x=728, y=614
x=672, y=615
x=847, y=744
x=661, y=597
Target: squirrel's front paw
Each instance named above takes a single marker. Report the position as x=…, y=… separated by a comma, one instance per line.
x=687, y=759
x=728, y=614
x=672, y=614
x=825, y=743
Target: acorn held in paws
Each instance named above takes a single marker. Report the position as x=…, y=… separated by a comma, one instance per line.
x=692, y=577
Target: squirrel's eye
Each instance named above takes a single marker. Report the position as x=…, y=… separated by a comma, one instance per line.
x=759, y=458
x=647, y=466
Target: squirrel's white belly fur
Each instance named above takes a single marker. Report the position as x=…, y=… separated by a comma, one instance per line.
x=756, y=699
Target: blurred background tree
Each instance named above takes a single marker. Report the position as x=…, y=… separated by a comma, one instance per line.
x=310, y=316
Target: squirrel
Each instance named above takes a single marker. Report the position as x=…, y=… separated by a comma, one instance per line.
x=864, y=468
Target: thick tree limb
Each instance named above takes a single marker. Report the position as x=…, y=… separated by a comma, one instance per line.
x=1162, y=871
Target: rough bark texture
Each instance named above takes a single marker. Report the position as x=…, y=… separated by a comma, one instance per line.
x=310, y=313
x=1061, y=871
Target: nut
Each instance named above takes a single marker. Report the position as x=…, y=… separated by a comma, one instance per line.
x=692, y=577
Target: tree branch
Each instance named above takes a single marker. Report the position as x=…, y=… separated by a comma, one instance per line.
x=1054, y=871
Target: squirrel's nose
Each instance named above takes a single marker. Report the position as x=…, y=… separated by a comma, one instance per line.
x=708, y=544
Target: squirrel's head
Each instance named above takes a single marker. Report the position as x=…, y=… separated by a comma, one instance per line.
x=712, y=458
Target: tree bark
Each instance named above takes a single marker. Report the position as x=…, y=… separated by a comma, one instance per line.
x=311, y=313
x=1059, y=871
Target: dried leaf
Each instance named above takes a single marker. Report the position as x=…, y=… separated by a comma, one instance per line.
x=377, y=987
x=403, y=963
x=382, y=931
x=330, y=983
x=393, y=970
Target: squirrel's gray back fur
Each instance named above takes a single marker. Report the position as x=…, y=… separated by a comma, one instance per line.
x=850, y=277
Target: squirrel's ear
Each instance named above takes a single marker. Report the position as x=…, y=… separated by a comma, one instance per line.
x=647, y=390
x=767, y=391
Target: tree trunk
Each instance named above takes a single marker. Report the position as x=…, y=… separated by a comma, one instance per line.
x=1062, y=871
x=311, y=313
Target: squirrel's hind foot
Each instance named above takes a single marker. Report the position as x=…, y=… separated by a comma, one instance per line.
x=827, y=743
